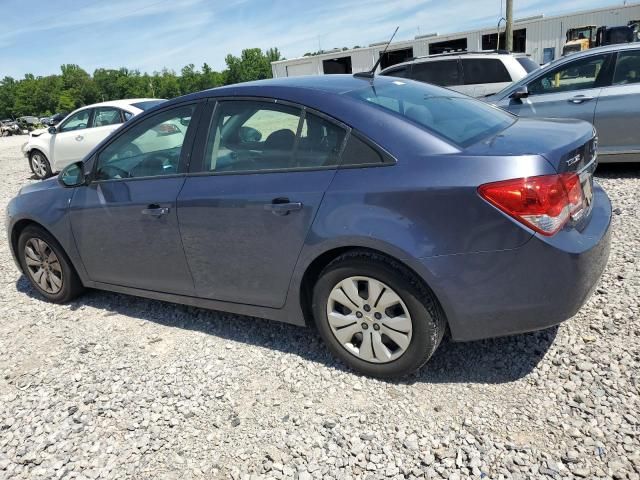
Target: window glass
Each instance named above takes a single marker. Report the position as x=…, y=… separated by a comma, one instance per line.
x=150, y=148
x=484, y=70
x=528, y=64
x=577, y=75
x=77, y=121
x=627, y=68
x=442, y=72
x=457, y=118
x=249, y=136
x=320, y=143
x=103, y=116
x=357, y=152
x=127, y=115
x=401, y=72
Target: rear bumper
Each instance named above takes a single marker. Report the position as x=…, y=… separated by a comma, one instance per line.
x=535, y=286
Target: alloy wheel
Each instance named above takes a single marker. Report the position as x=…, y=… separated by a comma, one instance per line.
x=39, y=165
x=43, y=265
x=369, y=319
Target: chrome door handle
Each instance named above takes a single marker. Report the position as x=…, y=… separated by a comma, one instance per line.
x=282, y=206
x=79, y=138
x=580, y=99
x=155, y=211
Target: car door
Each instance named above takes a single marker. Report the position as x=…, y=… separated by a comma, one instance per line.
x=248, y=203
x=69, y=143
x=570, y=90
x=617, y=120
x=104, y=121
x=125, y=222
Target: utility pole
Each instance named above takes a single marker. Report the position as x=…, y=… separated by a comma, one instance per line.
x=508, y=31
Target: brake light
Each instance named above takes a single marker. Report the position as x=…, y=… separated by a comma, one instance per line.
x=544, y=203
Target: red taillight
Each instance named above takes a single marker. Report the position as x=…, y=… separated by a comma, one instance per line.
x=544, y=203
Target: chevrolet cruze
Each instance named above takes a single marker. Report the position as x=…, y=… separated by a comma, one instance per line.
x=384, y=211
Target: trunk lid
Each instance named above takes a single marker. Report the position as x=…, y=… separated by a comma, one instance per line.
x=569, y=145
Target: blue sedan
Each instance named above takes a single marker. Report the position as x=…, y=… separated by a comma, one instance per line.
x=384, y=211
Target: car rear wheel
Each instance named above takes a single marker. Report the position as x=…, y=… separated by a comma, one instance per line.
x=46, y=266
x=39, y=165
x=376, y=316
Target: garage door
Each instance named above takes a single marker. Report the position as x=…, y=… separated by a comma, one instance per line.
x=301, y=69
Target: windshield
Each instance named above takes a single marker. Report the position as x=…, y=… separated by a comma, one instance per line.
x=457, y=118
x=147, y=104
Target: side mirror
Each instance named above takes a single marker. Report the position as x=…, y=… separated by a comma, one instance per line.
x=520, y=93
x=72, y=175
x=52, y=130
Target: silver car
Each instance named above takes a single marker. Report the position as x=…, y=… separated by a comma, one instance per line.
x=601, y=85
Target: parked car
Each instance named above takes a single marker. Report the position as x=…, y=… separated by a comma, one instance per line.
x=56, y=118
x=10, y=127
x=476, y=74
x=386, y=211
x=50, y=150
x=44, y=120
x=600, y=85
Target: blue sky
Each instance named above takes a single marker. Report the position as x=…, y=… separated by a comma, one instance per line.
x=38, y=36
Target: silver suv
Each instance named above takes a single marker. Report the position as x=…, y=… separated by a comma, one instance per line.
x=476, y=74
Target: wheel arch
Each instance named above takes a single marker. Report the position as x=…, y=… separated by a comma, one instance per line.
x=315, y=267
x=17, y=229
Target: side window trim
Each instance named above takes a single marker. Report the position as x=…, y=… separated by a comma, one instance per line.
x=185, y=152
x=205, y=127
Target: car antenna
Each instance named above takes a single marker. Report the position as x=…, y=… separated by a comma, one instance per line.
x=371, y=73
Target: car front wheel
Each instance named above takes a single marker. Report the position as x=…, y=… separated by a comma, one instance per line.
x=39, y=165
x=46, y=266
x=376, y=316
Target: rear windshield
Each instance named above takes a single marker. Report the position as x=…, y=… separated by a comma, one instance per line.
x=147, y=104
x=528, y=64
x=457, y=118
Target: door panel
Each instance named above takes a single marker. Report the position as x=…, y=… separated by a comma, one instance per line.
x=580, y=104
x=617, y=119
x=121, y=244
x=570, y=90
x=69, y=144
x=125, y=222
x=239, y=247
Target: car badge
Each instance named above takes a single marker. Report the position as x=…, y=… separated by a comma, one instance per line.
x=574, y=160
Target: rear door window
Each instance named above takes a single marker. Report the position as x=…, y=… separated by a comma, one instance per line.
x=263, y=136
x=441, y=72
x=627, y=68
x=103, y=116
x=484, y=70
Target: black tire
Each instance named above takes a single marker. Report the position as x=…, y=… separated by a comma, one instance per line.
x=71, y=284
x=428, y=319
x=45, y=170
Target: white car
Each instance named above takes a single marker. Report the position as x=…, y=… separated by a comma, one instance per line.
x=50, y=150
x=476, y=74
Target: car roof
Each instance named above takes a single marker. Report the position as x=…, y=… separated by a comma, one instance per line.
x=118, y=103
x=464, y=54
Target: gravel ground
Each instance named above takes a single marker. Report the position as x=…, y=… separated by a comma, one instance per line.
x=112, y=386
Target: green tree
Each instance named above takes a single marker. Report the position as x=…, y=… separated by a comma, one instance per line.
x=74, y=87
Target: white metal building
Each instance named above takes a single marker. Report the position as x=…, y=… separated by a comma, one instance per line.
x=539, y=36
